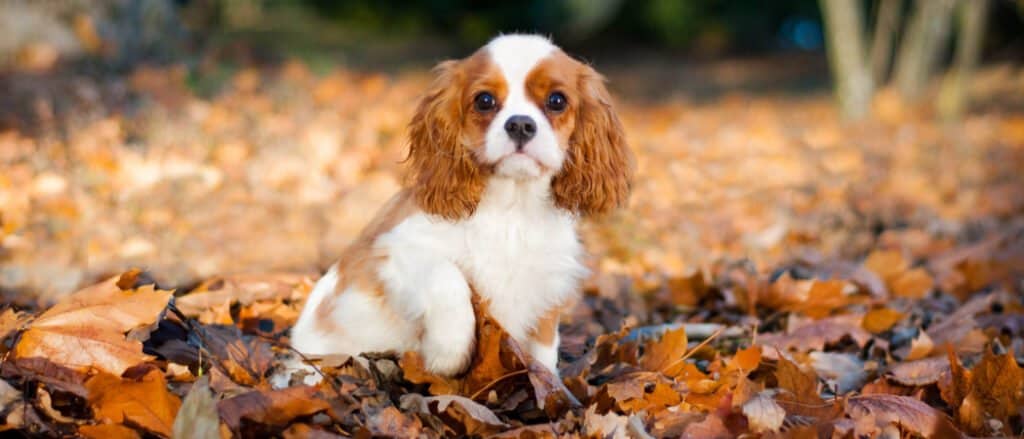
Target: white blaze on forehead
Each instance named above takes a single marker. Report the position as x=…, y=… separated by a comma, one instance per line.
x=516, y=55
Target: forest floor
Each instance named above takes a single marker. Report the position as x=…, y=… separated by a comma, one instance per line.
x=776, y=272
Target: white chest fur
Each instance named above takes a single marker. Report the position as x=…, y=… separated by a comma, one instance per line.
x=517, y=250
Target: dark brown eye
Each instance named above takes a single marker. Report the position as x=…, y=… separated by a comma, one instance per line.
x=484, y=102
x=556, y=102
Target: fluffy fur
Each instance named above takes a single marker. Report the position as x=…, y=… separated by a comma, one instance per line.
x=479, y=214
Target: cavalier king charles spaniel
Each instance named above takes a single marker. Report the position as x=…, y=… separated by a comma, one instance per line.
x=509, y=148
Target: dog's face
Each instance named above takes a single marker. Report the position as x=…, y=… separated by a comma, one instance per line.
x=518, y=108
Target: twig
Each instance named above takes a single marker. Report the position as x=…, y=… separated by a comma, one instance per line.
x=497, y=380
x=690, y=353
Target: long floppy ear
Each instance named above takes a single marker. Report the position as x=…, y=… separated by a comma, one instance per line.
x=444, y=178
x=598, y=169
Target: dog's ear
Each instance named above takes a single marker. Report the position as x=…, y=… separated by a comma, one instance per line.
x=597, y=174
x=444, y=178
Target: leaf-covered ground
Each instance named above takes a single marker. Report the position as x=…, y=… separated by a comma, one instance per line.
x=777, y=273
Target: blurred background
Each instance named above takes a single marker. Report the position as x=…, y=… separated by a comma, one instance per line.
x=198, y=137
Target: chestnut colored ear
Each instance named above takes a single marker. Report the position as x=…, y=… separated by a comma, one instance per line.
x=598, y=169
x=445, y=180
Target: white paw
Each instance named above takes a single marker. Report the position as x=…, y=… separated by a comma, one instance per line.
x=446, y=360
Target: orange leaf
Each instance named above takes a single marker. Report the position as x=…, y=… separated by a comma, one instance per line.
x=87, y=329
x=801, y=385
x=107, y=431
x=880, y=320
x=913, y=284
x=747, y=359
x=887, y=264
x=145, y=403
x=664, y=355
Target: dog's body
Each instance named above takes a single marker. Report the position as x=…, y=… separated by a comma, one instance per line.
x=498, y=183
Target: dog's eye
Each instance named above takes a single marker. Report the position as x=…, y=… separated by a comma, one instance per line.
x=556, y=102
x=484, y=102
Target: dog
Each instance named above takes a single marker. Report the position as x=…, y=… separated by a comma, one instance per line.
x=509, y=149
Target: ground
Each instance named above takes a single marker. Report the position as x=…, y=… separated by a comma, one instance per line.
x=843, y=277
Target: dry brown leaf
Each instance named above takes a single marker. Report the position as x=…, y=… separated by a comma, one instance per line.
x=746, y=360
x=143, y=403
x=912, y=284
x=711, y=427
x=87, y=329
x=763, y=413
x=920, y=347
x=665, y=354
x=244, y=289
x=919, y=373
x=271, y=407
x=463, y=415
x=824, y=298
x=815, y=335
x=197, y=417
x=879, y=320
x=10, y=322
x=108, y=431
x=912, y=415
x=997, y=386
x=801, y=385
x=955, y=385
x=390, y=422
x=887, y=264
x=609, y=425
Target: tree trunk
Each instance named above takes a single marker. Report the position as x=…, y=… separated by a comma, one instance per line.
x=886, y=24
x=953, y=98
x=922, y=46
x=846, y=56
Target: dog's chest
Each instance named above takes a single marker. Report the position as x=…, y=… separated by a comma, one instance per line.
x=523, y=263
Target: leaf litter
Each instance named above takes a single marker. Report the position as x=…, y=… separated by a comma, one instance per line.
x=777, y=274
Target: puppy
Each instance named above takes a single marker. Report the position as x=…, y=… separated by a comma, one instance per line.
x=508, y=149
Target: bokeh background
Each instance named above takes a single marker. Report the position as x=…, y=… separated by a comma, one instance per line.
x=195, y=138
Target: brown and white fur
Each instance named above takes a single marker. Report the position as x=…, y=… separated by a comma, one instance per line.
x=483, y=211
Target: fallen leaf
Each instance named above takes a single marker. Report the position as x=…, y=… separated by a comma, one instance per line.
x=920, y=347
x=143, y=403
x=467, y=416
x=908, y=413
x=711, y=427
x=108, y=431
x=390, y=422
x=609, y=425
x=87, y=329
x=844, y=371
x=271, y=407
x=801, y=385
x=879, y=320
x=912, y=284
x=665, y=354
x=197, y=417
x=887, y=264
x=997, y=387
x=918, y=373
x=763, y=413
x=815, y=335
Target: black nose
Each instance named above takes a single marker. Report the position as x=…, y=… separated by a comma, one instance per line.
x=521, y=129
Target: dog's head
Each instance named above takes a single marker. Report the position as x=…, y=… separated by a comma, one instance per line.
x=518, y=108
